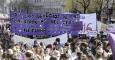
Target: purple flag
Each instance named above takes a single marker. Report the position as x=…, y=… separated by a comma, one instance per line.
x=21, y=57
x=112, y=43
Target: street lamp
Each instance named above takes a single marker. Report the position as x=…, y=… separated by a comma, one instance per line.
x=101, y=35
x=110, y=10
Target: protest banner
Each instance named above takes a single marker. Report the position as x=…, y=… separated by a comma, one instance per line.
x=63, y=39
x=52, y=24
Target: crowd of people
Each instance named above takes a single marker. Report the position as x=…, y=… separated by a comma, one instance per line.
x=73, y=49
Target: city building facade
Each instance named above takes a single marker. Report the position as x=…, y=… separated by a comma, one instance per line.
x=4, y=11
x=41, y=6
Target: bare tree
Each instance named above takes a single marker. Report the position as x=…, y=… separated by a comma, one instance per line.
x=98, y=7
x=109, y=9
x=103, y=5
x=83, y=4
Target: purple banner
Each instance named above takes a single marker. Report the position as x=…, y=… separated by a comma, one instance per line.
x=112, y=43
x=44, y=24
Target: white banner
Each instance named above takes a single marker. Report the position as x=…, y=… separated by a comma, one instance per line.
x=89, y=22
x=111, y=28
x=63, y=39
x=92, y=34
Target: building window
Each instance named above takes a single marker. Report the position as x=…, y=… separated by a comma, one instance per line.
x=36, y=1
